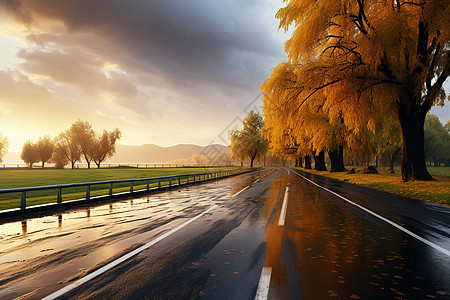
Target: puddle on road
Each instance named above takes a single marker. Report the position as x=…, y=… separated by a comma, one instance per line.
x=110, y=228
x=351, y=256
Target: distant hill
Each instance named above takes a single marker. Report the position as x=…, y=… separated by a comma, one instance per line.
x=148, y=153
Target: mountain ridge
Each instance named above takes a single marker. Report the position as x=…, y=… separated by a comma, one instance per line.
x=146, y=153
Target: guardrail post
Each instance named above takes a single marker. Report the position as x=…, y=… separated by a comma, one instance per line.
x=159, y=183
x=88, y=192
x=194, y=178
x=179, y=180
x=148, y=185
x=131, y=187
x=59, y=198
x=187, y=179
x=110, y=188
x=170, y=182
x=23, y=200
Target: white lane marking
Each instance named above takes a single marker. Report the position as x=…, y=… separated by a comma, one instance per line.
x=289, y=172
x=122, y=258
x=240, y=191
x=259, y=179
x=283, y=208
x=262, y=293
x=418, y=237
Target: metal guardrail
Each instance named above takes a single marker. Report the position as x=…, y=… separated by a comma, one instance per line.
x=109, y=165
x=158, y=182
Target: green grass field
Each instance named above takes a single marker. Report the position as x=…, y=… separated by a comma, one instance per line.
x=436, y=191
x=31, y=178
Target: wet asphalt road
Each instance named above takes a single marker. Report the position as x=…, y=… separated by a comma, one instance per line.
x=327, y=248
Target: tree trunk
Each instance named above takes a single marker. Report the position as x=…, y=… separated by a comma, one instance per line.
x=307, y=162
x=73, y=164
x=337, y=160
x=31, y=165
x=392, y=159
x=242, y=163
x=43, y=163
x=87, y=161
x=300, y=162
x=98, y=165
x=296, y=162
x=251, y=160
x=319, y=162
x=413, y=165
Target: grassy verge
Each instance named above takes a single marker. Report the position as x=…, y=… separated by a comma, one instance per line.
x=30, y=178
x=436, y=191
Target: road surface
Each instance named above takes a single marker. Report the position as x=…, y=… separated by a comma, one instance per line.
x=271, y=234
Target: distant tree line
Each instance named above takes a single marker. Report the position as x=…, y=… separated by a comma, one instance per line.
x=78, y=142
x=437, y=141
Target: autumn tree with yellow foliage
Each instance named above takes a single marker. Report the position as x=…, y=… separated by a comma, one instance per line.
x=306, y=128
x=249, y=142
x=363, y=55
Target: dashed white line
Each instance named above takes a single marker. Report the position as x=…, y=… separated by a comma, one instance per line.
x=259, y=179
x=412, y=234
x=264, y=282
x=121, y=259
x=282, y=218
x=240, y=191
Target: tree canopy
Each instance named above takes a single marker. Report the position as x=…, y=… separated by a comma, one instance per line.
x=363, y=60
x=29, y=153
x=66, y=146
x=44, y=148
x=249, y=142
x=104, y=146
x=84, y=136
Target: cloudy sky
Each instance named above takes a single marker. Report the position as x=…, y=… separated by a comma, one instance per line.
x=164, y=72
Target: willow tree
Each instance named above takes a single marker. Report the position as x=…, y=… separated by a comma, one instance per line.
x=374, y=53
x=104, y=146
x=84, y=136
x=45, y=147
x=282, y=123
x=249, y=142
x=29, y=153
x=66, y=145
x=304, y=127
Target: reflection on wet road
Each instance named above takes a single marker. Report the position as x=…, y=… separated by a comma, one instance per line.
x=324, y=248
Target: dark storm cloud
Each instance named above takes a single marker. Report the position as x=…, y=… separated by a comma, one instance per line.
x=188, y=43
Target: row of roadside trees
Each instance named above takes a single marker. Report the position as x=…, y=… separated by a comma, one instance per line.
x=79, y=142
x=358, y=73
x=257, y=137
